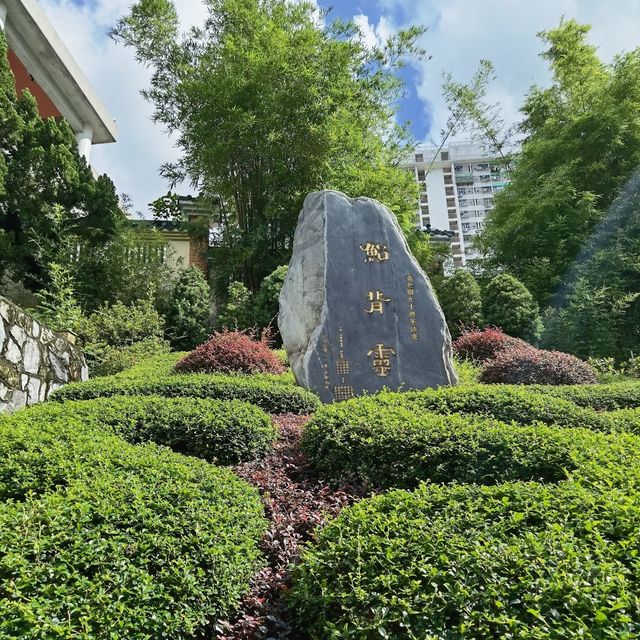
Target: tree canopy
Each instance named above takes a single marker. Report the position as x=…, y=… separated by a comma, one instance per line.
x=270, y=102
x=581, y=144
x=47, y=190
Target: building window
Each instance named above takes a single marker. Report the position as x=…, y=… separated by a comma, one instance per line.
x=419, y=157
x=421, y=175
x=444, y=155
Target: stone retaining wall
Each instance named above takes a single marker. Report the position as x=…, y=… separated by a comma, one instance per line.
x=34, y=360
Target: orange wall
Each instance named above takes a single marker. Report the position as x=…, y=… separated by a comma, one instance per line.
x=25, y=81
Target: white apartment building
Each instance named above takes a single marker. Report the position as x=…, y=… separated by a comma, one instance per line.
x=458, y=184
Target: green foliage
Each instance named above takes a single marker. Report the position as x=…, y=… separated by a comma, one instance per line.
x=470, y=113
x=57, y=304
x=597, y=313
x=118, y=325
x=501, y=402
x=472, y=434
x=221, y=432
x=461, y=301
x=238, y=312
x=601, y=397
x=468, y=372
x=131, y=266
x=523, y=560
x=41, y=172
x=273, y=393
x=266, y=300
x=508, y=305
x=107, y=360
x=582, y=143
x=395, y=446
x=117, y=334
x=626, y=420
x=102, y=537
x=270, y=104
x=188, y=313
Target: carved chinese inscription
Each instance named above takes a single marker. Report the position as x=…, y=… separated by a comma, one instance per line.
x=375, y=252
x=413, y=322
x=381, y=359
x=376, y=300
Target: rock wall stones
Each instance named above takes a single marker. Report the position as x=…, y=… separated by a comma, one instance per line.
x=357, y=314
x=34, y=360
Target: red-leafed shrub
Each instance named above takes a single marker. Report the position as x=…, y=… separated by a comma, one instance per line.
x=482, y=345
x=231, y=352
x=536, y=366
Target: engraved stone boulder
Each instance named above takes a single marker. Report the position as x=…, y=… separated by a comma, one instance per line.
x=357, y=313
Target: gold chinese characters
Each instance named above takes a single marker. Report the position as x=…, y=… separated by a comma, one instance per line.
x=381, y=359
x=375, y=252
x=376, y=302
x=413, y=323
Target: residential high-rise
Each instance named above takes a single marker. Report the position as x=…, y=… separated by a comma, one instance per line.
x=458, y=184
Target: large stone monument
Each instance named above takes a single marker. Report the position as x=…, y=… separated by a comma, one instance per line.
x=357, y=314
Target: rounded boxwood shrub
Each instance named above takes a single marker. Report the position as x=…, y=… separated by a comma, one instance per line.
x=102, y=538
x=536, y=366
x=274, y=394
x=220, y=431
x=231, y=352
x=521, y=560
x=480, y=345
x=395, y=446
x=508, y=304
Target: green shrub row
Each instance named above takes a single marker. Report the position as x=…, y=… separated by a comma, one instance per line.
x=506, y=403
x=220, y=431
x=387, y=442
x=601, y=397
x=270, y=393
x=103, y=539
x=525, y=561
x=397, y=447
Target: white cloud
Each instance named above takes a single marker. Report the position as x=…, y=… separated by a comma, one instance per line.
x=142, y=146
x=374, y=35
x=461, y=32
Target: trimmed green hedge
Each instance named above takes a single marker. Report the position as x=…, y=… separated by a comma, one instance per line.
x=625, y=420
x=558, y=559
x=104, y=539
x=524, y=561
x=395, y=446
x=220, y=431
x=601, y=397
x=506, y=403
x=274, y=394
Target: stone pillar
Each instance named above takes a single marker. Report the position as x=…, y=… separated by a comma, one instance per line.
x=3, y=15
x=84, y=141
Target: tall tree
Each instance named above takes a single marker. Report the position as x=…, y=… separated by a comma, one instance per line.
x=598, y=311
x=45, y=187
x=269, y=103
x=460, y=297
x=581, y=144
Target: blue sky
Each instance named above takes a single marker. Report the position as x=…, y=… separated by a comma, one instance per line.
x=411, y=109
x=460, y=33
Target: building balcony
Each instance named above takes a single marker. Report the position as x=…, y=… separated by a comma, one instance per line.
x=464, y=178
